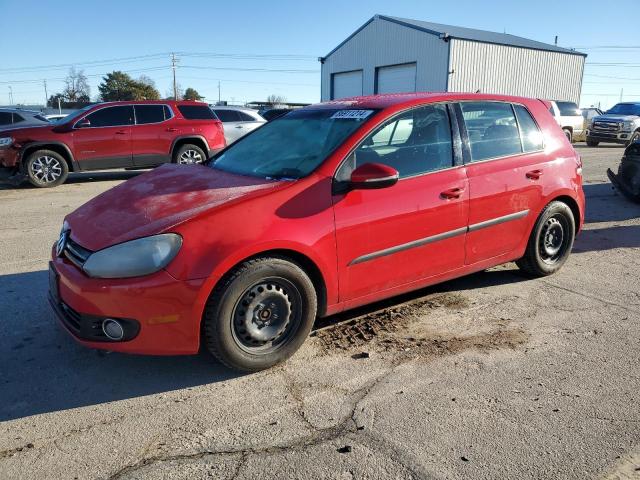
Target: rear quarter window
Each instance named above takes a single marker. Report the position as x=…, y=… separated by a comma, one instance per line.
x=196, y=112
x=529, y=131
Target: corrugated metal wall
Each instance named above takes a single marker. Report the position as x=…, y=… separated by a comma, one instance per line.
x=382, y=43
x=514, y=71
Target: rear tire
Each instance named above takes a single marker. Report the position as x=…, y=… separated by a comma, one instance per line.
x=550, y=241
x=260, y=314
x=189, y=154
x=46, y=168
x=592, y=143
x=568, y=134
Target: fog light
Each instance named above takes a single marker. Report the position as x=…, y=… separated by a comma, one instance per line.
x=113, y=329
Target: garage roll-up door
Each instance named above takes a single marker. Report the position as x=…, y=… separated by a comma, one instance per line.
x=346, y=84
x=396, y=79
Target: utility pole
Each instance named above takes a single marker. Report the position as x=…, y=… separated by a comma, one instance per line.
x=59, y=107
x=621, y=93
x=173, y=67
x=46, y=96
x=10, y=95
x=218, y=91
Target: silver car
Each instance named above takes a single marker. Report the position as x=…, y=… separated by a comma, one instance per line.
x=237, y=121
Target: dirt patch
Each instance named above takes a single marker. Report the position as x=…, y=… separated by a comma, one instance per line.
x=400, y=329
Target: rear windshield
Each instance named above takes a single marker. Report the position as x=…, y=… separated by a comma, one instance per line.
x=293, y=146
x=196, y=112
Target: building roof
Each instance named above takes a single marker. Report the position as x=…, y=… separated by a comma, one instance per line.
x=463, y=33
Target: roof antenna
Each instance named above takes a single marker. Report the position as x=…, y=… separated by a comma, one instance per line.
x=478, y=91
x=556, y=43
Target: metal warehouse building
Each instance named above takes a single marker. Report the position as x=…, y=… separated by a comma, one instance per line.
x=389, y=55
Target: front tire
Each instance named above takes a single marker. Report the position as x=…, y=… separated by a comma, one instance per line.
x=592, y=143
x=550, y=242
x=189, y=154
x=46, y=168
x=260, y=314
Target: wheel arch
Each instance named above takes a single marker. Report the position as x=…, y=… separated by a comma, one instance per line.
x=198, y=140
x=57, y=147
x=573, y=205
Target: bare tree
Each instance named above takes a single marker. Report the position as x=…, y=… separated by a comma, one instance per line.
x=180, y=93
x=76, y=86
x=274, y=99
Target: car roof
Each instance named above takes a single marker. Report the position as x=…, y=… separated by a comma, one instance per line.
x=19, y=110
x=407, y=99
x=151, y=102
x=232, y=107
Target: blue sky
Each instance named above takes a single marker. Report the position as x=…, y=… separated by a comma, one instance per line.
x=277, y=35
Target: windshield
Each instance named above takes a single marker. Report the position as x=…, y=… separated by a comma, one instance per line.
x=292, y=146
x=625, y=109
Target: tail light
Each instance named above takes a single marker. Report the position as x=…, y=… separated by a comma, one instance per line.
x=578, y=164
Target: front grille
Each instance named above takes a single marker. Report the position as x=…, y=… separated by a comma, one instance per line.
x=75, y=253
x=89, y=327
x=606, y=126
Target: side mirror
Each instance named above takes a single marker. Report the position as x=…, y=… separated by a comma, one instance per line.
x=373, y=175
x=84, y=123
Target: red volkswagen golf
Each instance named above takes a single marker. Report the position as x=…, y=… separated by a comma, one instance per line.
x=330, y=207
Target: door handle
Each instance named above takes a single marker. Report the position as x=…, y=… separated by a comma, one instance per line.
x=534, y=174
x=452, y=193
x=238, y=126
x=121, y=132
x=171, y=129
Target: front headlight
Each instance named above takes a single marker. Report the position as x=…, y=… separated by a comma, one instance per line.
x=626, y=126
x=135, y=258
x=6, y=141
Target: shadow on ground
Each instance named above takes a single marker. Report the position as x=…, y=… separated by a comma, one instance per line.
x=43, y=370
x=605, y=204
x=84, y=177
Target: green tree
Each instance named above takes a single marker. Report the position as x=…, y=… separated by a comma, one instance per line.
x=192, y=94
x=120, y=86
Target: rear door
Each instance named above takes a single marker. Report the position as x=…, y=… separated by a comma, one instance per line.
x=413, y=230
x=152, y=135
x=106, y=142
x=231, y=123
x=505, y=166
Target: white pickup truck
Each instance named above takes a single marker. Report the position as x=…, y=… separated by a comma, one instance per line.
x=569, y=117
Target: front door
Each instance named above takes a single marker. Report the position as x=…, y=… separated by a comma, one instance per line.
x=106, y=141
x=231, y=123
x=506, y=167
x=410, y=231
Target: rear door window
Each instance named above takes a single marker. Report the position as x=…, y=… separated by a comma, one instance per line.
x=529, y=131
x=149, y=114
x=492, y=130
x=196, y=112
x=111, y=116
x=227, y=115
x=6, y=118
x=245, y=117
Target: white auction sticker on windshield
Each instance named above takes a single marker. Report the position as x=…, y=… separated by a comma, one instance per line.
x=352, y=114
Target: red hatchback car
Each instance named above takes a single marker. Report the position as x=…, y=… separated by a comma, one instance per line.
x=330, y=207
x=138, y=134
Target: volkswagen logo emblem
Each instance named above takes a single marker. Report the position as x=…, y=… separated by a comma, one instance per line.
x=62, y=242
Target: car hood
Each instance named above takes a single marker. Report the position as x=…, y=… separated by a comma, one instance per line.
x=158, y=200
x=616, y=118
x=29, y=128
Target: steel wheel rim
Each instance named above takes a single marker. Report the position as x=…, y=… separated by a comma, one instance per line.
x=46, y=169
x=266, y=316
x=554, y=239
x=190, y=156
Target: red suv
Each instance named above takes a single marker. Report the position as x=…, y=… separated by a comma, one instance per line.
x=330, y=207
x=111, y=135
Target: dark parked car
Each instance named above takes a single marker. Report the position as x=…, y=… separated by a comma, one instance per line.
x=627, y=180
x=111, y=135
x=14, y=117
x=274, y=113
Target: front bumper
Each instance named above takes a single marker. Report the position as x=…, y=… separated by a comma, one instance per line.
x=165, y=309
x=611, y=137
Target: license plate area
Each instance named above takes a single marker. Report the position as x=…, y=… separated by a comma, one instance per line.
x=54, y=282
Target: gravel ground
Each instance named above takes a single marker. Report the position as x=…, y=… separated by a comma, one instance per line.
x=489, y=376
